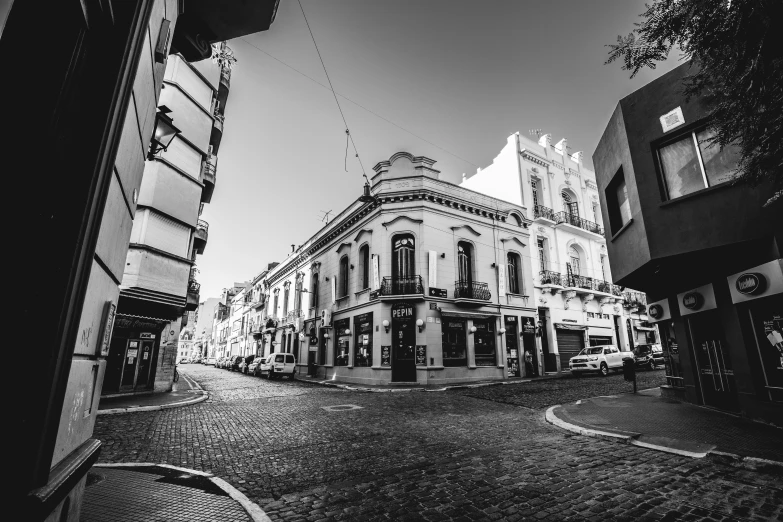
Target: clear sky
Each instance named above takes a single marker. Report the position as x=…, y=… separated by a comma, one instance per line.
x=459, y=77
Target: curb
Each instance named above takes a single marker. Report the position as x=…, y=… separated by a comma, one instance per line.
x=203, y=395
x=253, y=510
x=751, y=463
x=349, y=387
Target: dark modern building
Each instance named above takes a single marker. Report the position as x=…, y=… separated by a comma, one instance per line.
x=706, y=251
x=79, y=144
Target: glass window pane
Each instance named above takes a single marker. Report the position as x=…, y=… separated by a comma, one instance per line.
x=718, y=164
x=681, y=169
x=623, y=203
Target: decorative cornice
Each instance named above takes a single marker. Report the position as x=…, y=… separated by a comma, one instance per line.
x=535, y=158
x=514, y=239
x=362, y=231
x=457, y=227
x=341, y=247
x=400, y=218
x=589, y=183
x=558, y=165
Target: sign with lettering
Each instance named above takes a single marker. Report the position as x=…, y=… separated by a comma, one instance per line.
x=692, y=300
x=146, y=336
x=402, y=311
x=386, y=355
x=751, y=283
x=108, y=325
x=501, y=280
x=672, y=119
x=655, y=311
x=421, y=355
x=376, y=273
x=529, y=325
x=433, y=269
x=437, y=292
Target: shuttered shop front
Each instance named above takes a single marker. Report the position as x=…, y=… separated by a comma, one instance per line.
x=569, y=343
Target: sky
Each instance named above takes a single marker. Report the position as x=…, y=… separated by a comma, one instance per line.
x=446, y=79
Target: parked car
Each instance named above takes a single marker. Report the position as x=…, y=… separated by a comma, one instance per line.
x=182, y=360
x=211, y=361
x=648, y=355
x=234, y=363
x=253, y=367
x=599, y=359
x=245, y=362
x=278, y=365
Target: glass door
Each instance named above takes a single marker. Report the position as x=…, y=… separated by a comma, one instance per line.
x=713, y=361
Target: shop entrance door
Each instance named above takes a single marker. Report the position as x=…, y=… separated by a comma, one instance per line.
x=145, y=363
x=403, y=343
x=130, y=364
x=713, y=361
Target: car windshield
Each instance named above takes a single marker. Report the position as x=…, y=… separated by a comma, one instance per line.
x=641, y=350
x=594, y=350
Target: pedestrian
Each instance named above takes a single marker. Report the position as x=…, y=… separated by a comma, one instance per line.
x=529, y=371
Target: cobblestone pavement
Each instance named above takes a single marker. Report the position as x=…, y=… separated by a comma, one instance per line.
x=548, y=392
x=423, y=456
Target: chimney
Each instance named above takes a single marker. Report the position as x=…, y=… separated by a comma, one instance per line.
x=545, y=140
x=561, y=147
x=576, y=157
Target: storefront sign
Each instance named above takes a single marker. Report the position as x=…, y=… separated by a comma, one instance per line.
x=376, y=273
x=655, y=311
x=570, y=321
x=692, y=300
x=108, y=325
x=438, y=292
x=147, y=335
x=402, y=311
x=386, y=355
x=751, y=284
x=528, y=325
x=421, y=355
x=501, y=280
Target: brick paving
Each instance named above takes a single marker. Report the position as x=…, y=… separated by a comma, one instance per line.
x=155, y=495
x=425, y=456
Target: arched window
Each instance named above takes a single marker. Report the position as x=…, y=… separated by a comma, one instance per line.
x=403, y=256
x=465, y=261
x=286, y=294
x=364, y=265
x=343, y=281
x=314, y=291
x=542, y=257
x=514, y=273
x=569, y=204
x=573, y=260
x=517, y=219
x=298, y=295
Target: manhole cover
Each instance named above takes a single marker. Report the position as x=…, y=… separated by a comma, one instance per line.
x=342, y=407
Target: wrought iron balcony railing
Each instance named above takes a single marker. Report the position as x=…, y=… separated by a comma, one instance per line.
x=292, y=315
x=401, y=286
x=225, y=76
x=544, y=213
x=551, y=278
x=209, y=168
x=574, y=220
x=203, y=225
x=472, y=290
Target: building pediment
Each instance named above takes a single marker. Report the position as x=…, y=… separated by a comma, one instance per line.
x=468, y=227
x=402, y=218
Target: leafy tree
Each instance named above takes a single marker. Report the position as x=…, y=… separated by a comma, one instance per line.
x=736, y=48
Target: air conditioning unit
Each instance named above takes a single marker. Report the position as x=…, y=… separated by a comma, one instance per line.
x=326, y=317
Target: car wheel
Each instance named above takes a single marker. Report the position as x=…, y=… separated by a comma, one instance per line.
x=604, y=369
x=291, y=377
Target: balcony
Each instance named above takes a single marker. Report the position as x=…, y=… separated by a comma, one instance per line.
x=217, y=131
x=225, y=77
x=580, y=283
x=208, y=177
x=634, y=300
x=292, y=316
x=544, y=215
x=551, y=278
x=471, y=292
x=401, y=288
x=200, y=237
x=193, y=295
x=579, y=226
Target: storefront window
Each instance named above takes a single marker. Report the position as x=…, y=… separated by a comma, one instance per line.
x=512, y=347
x=767, y=319
x=455, y=342
x=485, y=342
x=342, y=342
x=362, y=325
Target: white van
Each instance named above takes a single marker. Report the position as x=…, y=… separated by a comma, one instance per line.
x=277, y=365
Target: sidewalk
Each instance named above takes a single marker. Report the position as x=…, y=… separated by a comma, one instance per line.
x=410, y=387
x=155, y=493
x=646, y=419
x=186, y=391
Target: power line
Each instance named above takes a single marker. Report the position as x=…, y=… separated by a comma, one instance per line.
x=360, y=105
x=331, y=88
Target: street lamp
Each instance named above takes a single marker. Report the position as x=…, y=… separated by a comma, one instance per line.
x=164, y=133
x=366, y=197
x=420, y=324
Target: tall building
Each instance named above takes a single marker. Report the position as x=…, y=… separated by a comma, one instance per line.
x=88, y=131
x=706, y=251
x=577, y=303
x=202, y=329
x=407, y=284
x=159, y=286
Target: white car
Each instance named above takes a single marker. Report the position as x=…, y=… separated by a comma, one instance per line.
x=599, y=359
x=277, y=365
x=210, y=361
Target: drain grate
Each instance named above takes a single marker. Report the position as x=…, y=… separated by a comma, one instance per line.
x=341, y=407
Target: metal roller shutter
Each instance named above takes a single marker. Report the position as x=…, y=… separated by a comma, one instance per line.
x=569, y=343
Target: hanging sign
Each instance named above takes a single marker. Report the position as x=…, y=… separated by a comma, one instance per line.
x=376, y=273
x=692, y=300
x=655, y=311
x=672, y=119
x=501, y=280
x=529, y=326
x=433, y=272
x=437, y=292
x=751, y=283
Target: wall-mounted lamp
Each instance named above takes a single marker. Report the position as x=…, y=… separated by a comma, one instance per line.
x=351, y=267
x=420, y=324
x=302, y=337
x=472, y=329
x=502, y=331
x=347, y=331
x=326, y=335
x=164, y=133
x=493, y=265
x=385, y=324
x=443, y=255
x=326, y=278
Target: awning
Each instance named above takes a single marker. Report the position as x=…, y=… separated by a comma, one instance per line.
x=644, y=328
x=566, y=326
x=469, y=315
x=139, y=322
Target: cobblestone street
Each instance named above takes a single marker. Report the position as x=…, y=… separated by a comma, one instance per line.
x=470, y=454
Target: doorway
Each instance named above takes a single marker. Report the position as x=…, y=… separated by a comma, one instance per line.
x=713, y=361
x=403, y=343
x=137, y=364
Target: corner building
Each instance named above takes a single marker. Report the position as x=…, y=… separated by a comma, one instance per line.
x=411, y=287
x=706, y=251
